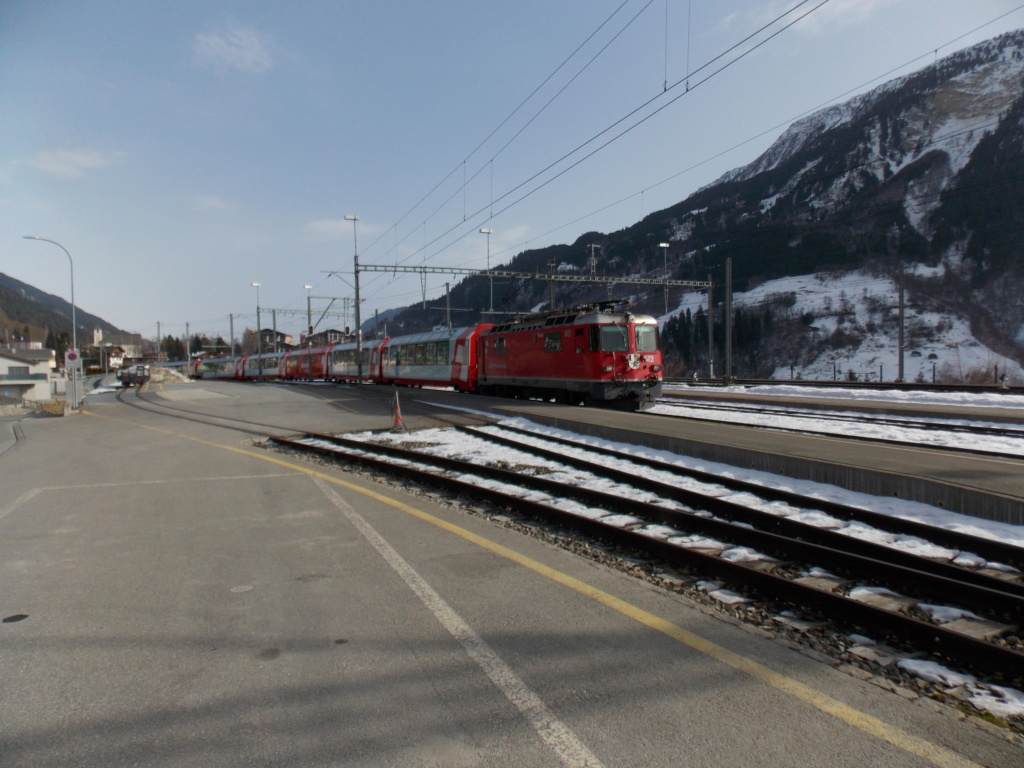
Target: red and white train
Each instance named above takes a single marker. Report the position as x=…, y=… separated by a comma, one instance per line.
x=589, y=353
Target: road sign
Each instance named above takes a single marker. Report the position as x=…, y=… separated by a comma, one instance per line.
x=72, y=360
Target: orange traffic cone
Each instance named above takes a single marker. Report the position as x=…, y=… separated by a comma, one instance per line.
x=396, y=411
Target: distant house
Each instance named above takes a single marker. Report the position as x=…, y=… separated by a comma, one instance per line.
x=330, y=336
x=267, y=335
x=130, y=343
x=36, y=353
x=114, y=356
x=24, y=378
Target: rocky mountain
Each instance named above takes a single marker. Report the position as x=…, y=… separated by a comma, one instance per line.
x=919, y=181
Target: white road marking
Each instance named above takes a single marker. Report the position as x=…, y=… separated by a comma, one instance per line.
x=29, y=495
x=555, y=734
x=25, y=497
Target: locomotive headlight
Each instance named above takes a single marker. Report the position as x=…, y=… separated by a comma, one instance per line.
x=656, y=367
x=608, y=368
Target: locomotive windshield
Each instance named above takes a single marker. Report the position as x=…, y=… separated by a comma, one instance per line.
x=615, y=338
x=646, y=338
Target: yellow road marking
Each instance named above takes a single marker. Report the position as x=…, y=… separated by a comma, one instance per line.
x=869, y=724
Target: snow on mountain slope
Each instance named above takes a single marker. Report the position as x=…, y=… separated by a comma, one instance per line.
x=947, y=115
x=863, y=310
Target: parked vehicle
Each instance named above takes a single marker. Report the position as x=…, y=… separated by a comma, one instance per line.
x=133, y=375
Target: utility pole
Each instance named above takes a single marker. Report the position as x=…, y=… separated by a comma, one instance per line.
x=309, y=331
x=355, y=265
x=551, y=282
x=711, y=329
x=259, y=335
x=728, y=321
x=900, y=373
x=490, y=278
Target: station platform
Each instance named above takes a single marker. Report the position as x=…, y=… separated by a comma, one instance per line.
x=179, y=594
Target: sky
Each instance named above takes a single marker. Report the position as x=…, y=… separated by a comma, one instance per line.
x=181, y=151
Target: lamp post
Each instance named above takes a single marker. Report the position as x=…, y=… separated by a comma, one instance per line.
x=74, y=323
x=665, y=247
x=355, y=264
x=309, y=330
x=259, y=339
x=488, y=232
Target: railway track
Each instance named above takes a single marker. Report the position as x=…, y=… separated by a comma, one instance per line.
x=754, y=538
x=770, y=557
x=840, y=416
x=1008, y=441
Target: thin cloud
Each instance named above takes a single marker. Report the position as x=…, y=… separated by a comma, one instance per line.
x=340, y=229
x=74, y=163
x=839, y=13
x=212, y=203
x=236, y=48
x=831, y=17
x=329, y=229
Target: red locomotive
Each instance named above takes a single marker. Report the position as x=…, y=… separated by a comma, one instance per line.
x=589, y=353
x=593, y=353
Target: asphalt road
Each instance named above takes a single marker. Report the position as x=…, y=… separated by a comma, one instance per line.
x=175, y=595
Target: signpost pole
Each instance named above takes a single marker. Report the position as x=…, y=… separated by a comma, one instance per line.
x=73, y=367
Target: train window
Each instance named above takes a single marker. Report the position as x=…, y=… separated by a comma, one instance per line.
x=646, y=338
x=499, y=345
x=614, y=338
x=595, y=338
x=553, y=342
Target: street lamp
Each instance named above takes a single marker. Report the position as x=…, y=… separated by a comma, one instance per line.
x=309, y=331
x=259, y=339
x=665, y=246
x=355, y=264
x=485, y=231
x=74, y=323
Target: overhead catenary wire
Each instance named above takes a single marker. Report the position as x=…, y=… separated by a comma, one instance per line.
x=503, y=123
x=626, y=117
x=621, y=120
x=625, y=131
x=765, y=132
x=490, y=163
x=425, y=248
